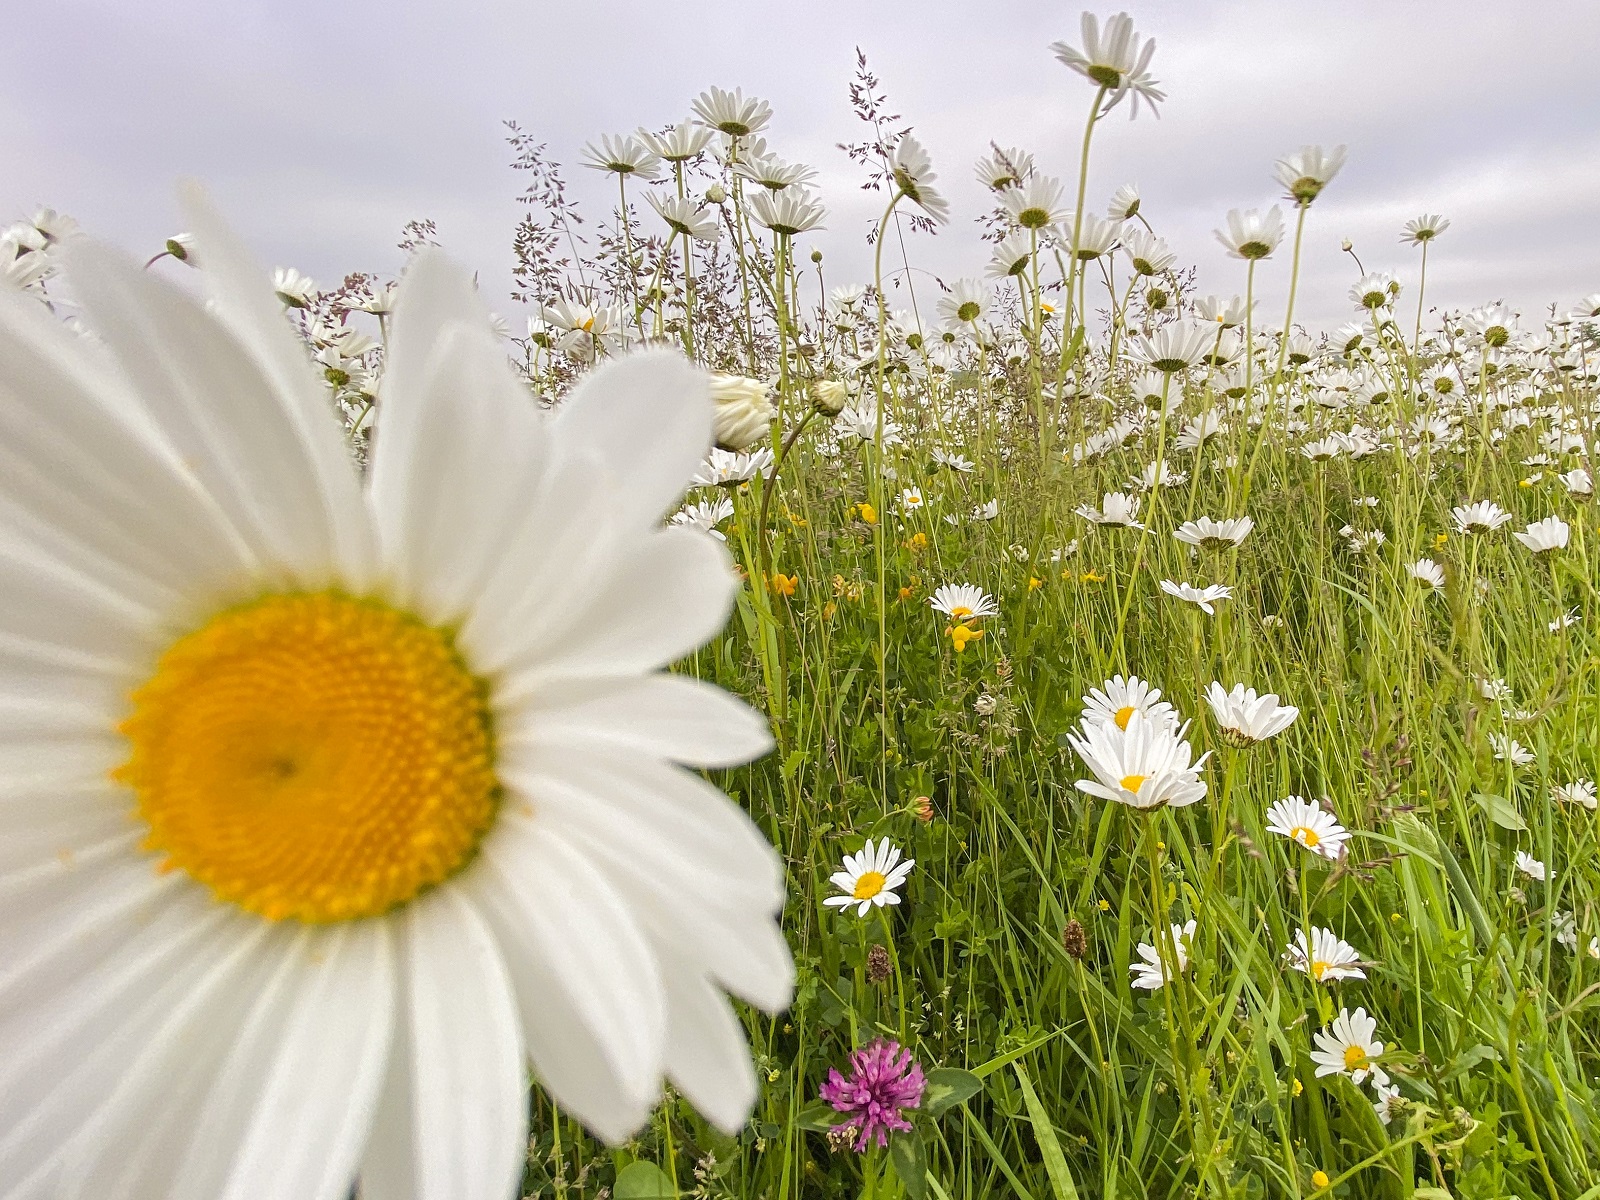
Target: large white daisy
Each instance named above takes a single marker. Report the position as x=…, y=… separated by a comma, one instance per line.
x=326, y=807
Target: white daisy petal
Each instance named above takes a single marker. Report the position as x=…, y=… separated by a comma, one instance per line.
x=649, y=417
x=708, y=1059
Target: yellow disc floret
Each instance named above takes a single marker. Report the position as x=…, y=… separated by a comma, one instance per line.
x=869, y=884
x=313, y=756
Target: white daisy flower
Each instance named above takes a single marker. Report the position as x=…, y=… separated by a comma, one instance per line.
x=1428, y=572
x=1205, y=597
x=1349, y=1047
x=1565, y=621
x=1484, y=516
x=1145, y=765
x=1389, y=1103
x=1544, y=536
x=1214, y=534
x=963, y=601
x=911, y=499
x=1119, y=699
x=1150, y=972
x=986, y=512
x=1508, y=749
x=1116, y=508
x=870, y=878
x=338, y=802
x=1579, y=791
x=1246, y=718
x=1324, y=956
x=1299, y=820
x=1532, y=867
x=706, y=515
x=724, y=468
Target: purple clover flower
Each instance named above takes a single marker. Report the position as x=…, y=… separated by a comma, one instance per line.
x=883, y=1081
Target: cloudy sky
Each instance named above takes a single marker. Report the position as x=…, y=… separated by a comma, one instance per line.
x=322, y=128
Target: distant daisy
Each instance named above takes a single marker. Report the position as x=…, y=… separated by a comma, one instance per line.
x=1579, y=791
x=1532, y=867
x=1150, y=971
x=1211, y=534
x=1143, y=765
x=1544, y=536
x=1118, y=699
x=1324, y=956
x=1245, y=718
x=870, y=878
x=1206, y=598
x=1306, y=172
x=1348, y=1046
x=1424, y=228
x=1309, y=824
x=1508, y=749
x=963, y=601
x=1484, y=516
x=1250, y=234
x=913, y=174
x=1116, y=508
x=1427, y=572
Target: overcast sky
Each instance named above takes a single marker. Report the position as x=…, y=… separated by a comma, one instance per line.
x=321, y=128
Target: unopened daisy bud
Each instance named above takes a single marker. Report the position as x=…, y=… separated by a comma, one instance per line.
x=879, y=968
x=1073, y=939
x=716, y=194
x=829, y=397
x=743, y=415
x=816, y=256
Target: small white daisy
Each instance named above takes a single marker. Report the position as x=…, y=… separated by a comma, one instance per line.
x=1532, y=867
x=1119, y=699
x=1150, y=972
x=1211, y=534
x=1484, y=516
x=1311, y=825
x=1246, y=718
x=1116, y=508
x=1508, y=749
x=1324, y=956
x=1348, y=1047
x=1579, y=791
x=963, y=601
x=1428, y=572
x=1205, y=597
x=1544, y=536
x=870, y=877
x=1145, y=765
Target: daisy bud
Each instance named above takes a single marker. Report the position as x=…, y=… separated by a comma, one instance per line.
x=829, y=397
x=816, y=256
x=716, y=194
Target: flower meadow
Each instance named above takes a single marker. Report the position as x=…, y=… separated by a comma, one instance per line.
x=727, y=731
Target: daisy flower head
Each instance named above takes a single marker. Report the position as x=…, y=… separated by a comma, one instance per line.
x=1245, y=718
x=913, y=174
x=1002, y=169
x=622, y=155
x=1578, y=481
x=1036, y=204
x=1530, y=866
x=706, y=515
x=731, y=113
x=1124, y=205
x=870, y=878
x=684, y=216
x=1508, y=749
x=1309, y=824
x=1143, y=765
x=1114, y=58
x=293, y=289
x=728, y=469
x=1250, y=235
x=963, y=601
x=1011, y=256
x=1427, y=572
x=1375, y=290
x=1212, y=534
x=1118, y=700
x=742, y=413
x=911, y=499
x=1349, y=1047
x=1306, y=172
x=1116, y=508
x=1149, y=254
x=1175, y=347
x=1423, y=229
x=1482, y=516
x=508, y=865
x=1579, y=791
x=883, y=1083
x=1324, y=956
x=1389, y=1103
x=965, y=304
x=789, y=212
x=1150, y=971
x=1544, y=536
x=1205, y=598
x=679, y=143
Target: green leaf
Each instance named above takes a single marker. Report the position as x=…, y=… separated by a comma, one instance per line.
x=1431, y=1193
x=818, y=1117
x=1055, y=1162
x=793, y=763
x=1501, y=811
x=643, y=1181
x=947, y=1087
x=910, y=1163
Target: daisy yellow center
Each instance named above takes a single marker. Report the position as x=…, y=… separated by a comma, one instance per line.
x=1306, y=836
x=1354, y=1057
x=312, y=756
x=1132, y=783
x=869, y=884
x=1123, y=715
x=1319, y=968
x=960, y=612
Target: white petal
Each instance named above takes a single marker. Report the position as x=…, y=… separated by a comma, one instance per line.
x=456, y=1102
x=707, y=1056
x=672, y=716
x=648, y=415
x=228, y=416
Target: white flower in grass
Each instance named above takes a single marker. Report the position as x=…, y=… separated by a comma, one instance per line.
x=1565, y=621
x=1306, y=172
x=456, y=664
x=1116, y=508
x=1124, y=205
x=1324, y=956
x=1250, y=234
x=724, y=468
x=1544, y=536
x=1206, y=532
x=1508, y=749
x=1116, y=59
x=1161, y=474
x=684, y=216
x=622, y=155
x=1349, y=1047
x=965, y=304
x=870, y=878
x=1494, y=689
x=1484, y=516
x=1038, y=203
x=1143, y=765
x=742, y=414
x=1578, y=481
x=1312, y=826
x=1424, y=228
x=1245, y=718
x=1119, y=699
x=1426, y=571
x=1565, y=926
x=963, y=601
x=1174, y=347
x=706, y=515
x=1389, y=1103
x=911, y=499
x=987, y=511
x=1150, y=972
x=293, y=289
x=1532, y=867
x=731, y=113
x=1205, y=597
x=1579, y=791
x=952, y=462
x=788, y=212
